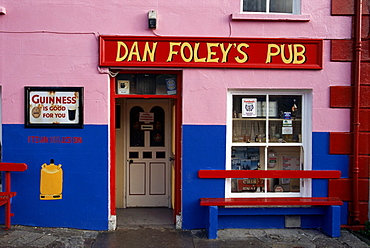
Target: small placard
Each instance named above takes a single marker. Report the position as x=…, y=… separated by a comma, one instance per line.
x=287, y=123
x=146, y=117
x=146, y=127
x=287, y=130
x=123, y=87
x=249, y=107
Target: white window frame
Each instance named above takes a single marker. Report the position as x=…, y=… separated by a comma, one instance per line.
x=306, y=145
x=296, y=9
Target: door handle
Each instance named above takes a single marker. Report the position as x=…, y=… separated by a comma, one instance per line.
x=130, y=161
x=171, y=159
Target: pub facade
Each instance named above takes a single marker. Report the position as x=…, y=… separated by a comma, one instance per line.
x=121, y=107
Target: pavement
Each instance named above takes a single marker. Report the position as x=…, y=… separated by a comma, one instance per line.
x=166, y=236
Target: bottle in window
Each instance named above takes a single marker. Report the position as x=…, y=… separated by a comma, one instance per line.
x=294, y=108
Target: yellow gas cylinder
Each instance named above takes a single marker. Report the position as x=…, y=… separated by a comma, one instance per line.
x=51, y=181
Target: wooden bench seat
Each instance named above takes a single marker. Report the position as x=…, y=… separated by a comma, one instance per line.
x=328, y=207
x=272, y=201
x=7, y=194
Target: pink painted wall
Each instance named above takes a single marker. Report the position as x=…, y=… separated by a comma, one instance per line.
x=49, y=43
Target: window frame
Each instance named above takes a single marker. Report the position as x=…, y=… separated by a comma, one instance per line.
x=306, y=144
x=296, y=9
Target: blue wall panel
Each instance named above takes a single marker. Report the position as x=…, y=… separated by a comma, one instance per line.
x=85, y=175
x=322, y=160
x=204, y=148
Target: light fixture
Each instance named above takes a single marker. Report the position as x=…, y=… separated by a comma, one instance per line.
x=152, y=19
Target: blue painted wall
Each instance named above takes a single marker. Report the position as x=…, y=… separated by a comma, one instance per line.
x=85, y=167
x=85, y=181
x=204, y=148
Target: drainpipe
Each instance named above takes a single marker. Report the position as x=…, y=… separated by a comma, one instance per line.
x=356, y=111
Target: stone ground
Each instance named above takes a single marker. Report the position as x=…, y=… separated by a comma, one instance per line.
x=159, y=236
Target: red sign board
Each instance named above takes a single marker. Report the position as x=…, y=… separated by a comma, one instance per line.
x=128, y=51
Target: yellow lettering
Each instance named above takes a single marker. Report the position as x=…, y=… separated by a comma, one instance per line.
x=286, y=61
x=245, y=55
x=270, y=53
x=183, y=56
x=210, y=53
x=134, y=51
x=225, y=52
x=172, y=52
x=299, y=54
x=119, y=45
x=196, y=49
x=149, y=52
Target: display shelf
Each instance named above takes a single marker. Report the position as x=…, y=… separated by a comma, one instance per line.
x=264, y=119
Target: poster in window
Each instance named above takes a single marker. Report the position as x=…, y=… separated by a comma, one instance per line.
x=249, y=107
x=290, y=163
x=54, y=107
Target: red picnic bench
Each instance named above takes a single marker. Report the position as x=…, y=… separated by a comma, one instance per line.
x=329, y=207
x=7, y=194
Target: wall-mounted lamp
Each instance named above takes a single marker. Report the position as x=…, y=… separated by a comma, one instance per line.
x=152, y=19
x=2, y=10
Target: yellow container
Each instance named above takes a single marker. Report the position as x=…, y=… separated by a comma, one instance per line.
x=51, y=181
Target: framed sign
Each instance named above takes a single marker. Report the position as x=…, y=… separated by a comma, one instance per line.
x=198, y=52
x=54, y=107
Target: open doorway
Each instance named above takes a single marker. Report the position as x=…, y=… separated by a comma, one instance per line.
x=146, y=139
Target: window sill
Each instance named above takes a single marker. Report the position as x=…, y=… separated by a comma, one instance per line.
x=270, y=17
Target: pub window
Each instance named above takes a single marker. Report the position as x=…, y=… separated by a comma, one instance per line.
x=271, y=6
x=268, y=130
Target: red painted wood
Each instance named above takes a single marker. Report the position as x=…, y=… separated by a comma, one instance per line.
x=341, y=96
x=340, y=143
x=178, y=135
x=342, y=7
x=198, y=52
x=346, y=7
x=7, y=195
x=341, y=50
x=365, y=72
x=112, y=131
x=363, y=164
x=363, y=208
x=13, y=167
x=271, y=201
x=365, y=119
x=342, y=188
x=364, y=97
x=364, y=145
x=268, y=174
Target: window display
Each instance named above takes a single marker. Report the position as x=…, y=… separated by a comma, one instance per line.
x=283, y=120
x=267, y=134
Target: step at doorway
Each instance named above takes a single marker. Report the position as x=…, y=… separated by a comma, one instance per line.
x=133, y=217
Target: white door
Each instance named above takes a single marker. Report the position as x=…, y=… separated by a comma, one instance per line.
x=148, y=130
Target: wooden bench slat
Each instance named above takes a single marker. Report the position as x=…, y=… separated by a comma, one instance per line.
x=13, y=166
x=318, y=174
x=271, y=201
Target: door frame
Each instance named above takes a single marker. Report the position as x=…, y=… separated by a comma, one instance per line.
x=176, y=130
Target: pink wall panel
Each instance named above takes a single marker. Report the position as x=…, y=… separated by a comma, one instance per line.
x=44, y=43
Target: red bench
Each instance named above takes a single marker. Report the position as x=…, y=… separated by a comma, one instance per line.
x=329, y=207
x=7, y=194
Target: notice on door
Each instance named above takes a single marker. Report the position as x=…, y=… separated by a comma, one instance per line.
x=54, y=107
x=146, y=117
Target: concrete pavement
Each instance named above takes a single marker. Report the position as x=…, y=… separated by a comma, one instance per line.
x=160, y=236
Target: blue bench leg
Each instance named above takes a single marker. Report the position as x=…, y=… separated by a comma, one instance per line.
x=212, y=225
x=331, y=225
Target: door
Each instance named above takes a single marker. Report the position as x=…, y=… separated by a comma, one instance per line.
x=148, y=153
